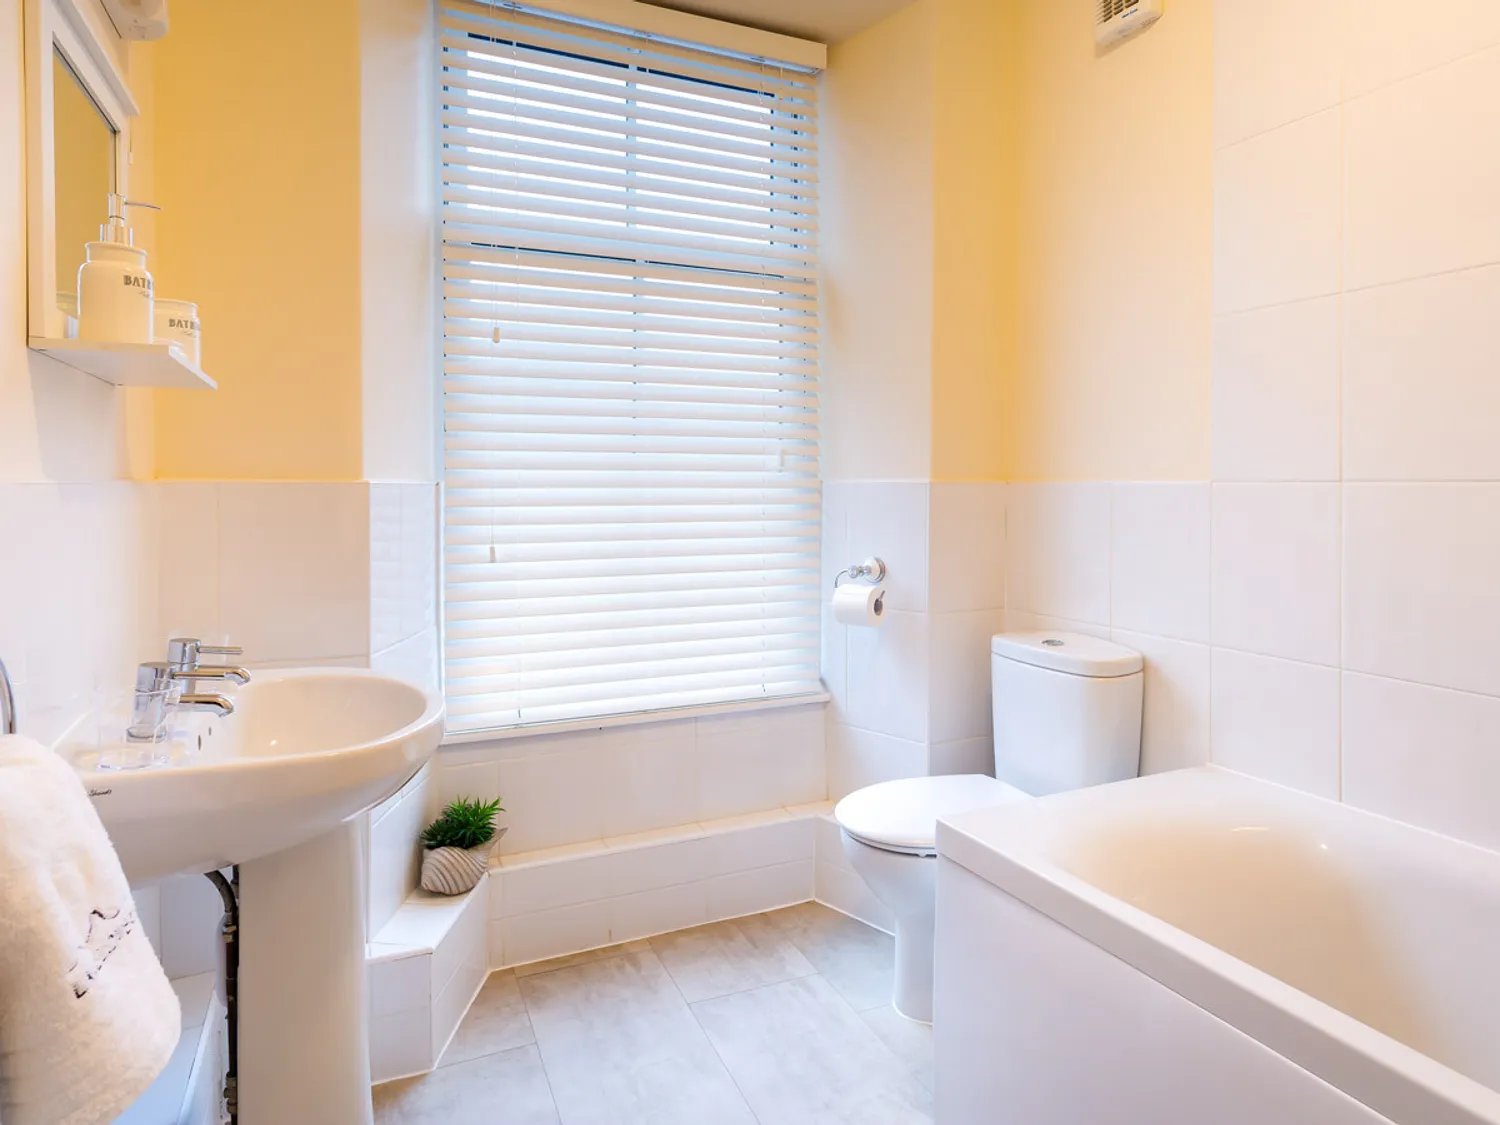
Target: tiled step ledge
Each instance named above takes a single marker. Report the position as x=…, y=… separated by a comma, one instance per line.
x=429, y=961
x=566, y=900
x=424, y=969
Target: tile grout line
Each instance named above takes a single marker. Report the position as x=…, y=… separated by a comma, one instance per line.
x=536, y=1042
x=707, y=1038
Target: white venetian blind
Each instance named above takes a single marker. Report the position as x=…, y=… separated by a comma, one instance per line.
x=629, y=372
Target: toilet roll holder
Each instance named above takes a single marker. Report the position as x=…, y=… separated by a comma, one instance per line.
x=871, y=570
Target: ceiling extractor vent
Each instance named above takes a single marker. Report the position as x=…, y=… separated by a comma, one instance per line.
x=1115, y=20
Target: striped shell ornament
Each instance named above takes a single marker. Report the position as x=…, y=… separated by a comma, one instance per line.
x=455, y=871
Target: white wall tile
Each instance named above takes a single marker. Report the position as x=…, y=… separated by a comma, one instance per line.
x=555, y=798
x=888, y=520
x=967, y=548
x=760, y=760
x=835, y=662
x=294, y=569
x=451, y=1004
x=836, y=501
x=400, y=984
x=1159, y=560
x=191, y=910
x=552, y=933
x=659, y=911
x=968, y=755
x=385, y=566
x=148, y=910
x=1420, y=394
x=1057, y=551
x=959, y=674
x=414, y=660
x=1276, y=393
x=395, y=854
x=566, y=881
x=1019, y=621
x=1274, y=62
x=857, y=758
x=479, y=780
x=888, y=676
x=1386, y=44
x=1276, y=570
x=650, y=778
x=1423, y=174
x=1175, y=732
x=188, y=578
x=770, y=843
x=400, y=1045
x=753, y=892
x=1424, y=755
x=649, y=866
x=419, y=548
x=1277, y=720
x=1277, y=221
x=1420, y=599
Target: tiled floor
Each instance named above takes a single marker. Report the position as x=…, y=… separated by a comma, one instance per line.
x=775, y=1019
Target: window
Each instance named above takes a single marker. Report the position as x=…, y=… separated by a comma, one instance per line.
x=629, y=372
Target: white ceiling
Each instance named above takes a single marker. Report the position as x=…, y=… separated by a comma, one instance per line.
x=826, y=21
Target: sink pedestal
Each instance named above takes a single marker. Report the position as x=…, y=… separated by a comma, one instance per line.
x=304, y=1051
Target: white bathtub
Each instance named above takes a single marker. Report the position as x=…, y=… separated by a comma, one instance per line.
x=1200, y=948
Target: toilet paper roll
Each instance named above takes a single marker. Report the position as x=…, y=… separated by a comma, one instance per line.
x=856, y=604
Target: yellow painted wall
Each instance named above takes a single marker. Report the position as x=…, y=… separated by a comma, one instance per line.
x=1115, y=250
x=257, y=162
x=975, y=166
x=876, y=223
x=919, y=183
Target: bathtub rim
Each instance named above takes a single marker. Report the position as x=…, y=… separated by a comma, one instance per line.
x=1386, y=1075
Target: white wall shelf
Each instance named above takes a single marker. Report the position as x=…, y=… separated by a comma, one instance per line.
x=126, y=365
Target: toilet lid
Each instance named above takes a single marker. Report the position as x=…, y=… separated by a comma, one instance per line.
x=902, y=816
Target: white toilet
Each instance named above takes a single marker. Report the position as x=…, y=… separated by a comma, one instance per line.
x=1067, y=714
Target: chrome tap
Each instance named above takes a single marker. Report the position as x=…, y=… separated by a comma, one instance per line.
x=183, y=659
x=159, y=692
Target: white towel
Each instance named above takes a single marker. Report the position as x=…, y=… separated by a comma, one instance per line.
x=87, y=1017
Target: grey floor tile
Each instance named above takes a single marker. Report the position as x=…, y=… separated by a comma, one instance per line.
x=552, y=964
x=496, y=1021
x=621, y=1047
x=506, y=1089
x=802, y=1055
x=856, y=959
x=909, y=1041
x=725, y=957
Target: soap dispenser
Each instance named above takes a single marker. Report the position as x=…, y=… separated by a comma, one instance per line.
x=114, y=290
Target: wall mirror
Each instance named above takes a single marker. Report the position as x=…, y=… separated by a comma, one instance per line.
x=78, y=112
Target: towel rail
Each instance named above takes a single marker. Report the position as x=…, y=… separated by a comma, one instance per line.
x=7, y=703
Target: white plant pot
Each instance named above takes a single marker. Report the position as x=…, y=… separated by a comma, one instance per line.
x=456, y=871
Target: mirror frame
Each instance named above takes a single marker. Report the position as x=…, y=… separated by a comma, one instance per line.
x=81, y=31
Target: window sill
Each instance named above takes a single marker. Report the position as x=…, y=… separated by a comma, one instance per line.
x=503, y=733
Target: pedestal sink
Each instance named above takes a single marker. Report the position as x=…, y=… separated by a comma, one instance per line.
x=273, y=789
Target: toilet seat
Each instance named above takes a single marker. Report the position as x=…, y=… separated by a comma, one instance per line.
x=901, y=816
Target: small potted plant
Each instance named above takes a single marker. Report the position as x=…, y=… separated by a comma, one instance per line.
x=458, y=845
